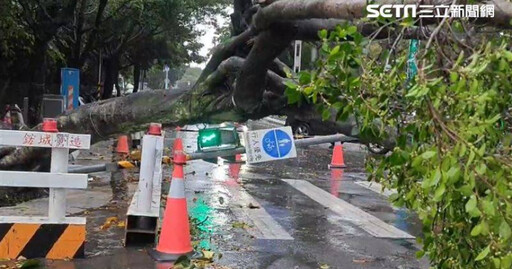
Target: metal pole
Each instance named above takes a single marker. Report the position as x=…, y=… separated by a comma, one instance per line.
x=166, y=79
x=226, y=153
x=57, y=201
x=109, y=167
x=297, y=56
x=147, y=170
x=298, y=143
x=166, y=70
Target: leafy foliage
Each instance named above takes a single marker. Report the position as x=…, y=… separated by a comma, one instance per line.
x=40, y=37
x=451, y=125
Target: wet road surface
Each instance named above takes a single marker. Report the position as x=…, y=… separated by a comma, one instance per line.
x=286, y=214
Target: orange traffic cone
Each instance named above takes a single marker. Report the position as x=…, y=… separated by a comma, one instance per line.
x=337, y=157
x=122, y=145
x=177, y=146
x=174, y=238
x=234, y=168
x=336, y=177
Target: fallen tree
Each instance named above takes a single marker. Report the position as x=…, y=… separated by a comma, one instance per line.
x=445, y=173
x=244, y=78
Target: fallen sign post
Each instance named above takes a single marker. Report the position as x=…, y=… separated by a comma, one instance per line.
x=55, y=236
x=298, y=144
x=144, y=210
x=270, y=145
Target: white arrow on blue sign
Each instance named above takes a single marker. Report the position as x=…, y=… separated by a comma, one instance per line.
x=269, y=145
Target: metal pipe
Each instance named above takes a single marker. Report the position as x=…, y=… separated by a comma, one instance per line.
x=324, y=140
x=298, y=143
x=92, y=168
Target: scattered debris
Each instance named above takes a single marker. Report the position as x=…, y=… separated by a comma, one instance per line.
x=32, y=263
x=206, y=261
x=361, y=261
x=166, y=160
x=125, y=164
x=112, y=221
x=251, y=206
x=324, y=266
x=221, y=200
x=241, y=225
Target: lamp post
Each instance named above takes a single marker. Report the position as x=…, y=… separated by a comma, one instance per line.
x=166, y=70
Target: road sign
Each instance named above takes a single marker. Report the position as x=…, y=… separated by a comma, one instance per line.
x=70, y=86
x=270, y=145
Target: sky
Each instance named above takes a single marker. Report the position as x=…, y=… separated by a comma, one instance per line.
x=207, y=38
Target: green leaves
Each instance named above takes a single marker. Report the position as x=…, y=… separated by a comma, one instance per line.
x=451, y=127
x=439, y=193
x=483, y=254
x=477, y=230
x=505, y=230
x=471, y=207
x=428, y=154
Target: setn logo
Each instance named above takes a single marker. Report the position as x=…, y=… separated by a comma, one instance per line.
x=429, y=11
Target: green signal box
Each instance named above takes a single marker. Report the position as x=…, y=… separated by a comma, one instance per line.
x=221, y=138
x=209, y=138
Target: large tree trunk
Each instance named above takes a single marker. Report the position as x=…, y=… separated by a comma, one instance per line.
x=243, y=80
x=111, y=75
x=136, y=77
x=37, y=74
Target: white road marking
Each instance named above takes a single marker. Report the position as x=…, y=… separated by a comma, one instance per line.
x=264, y=226
x=348, y=212
x=376, y=187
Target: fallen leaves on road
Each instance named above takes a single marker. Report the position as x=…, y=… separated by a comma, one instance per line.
x=204, y=262
x=136, y=155
x=32, y=263
x=241, y=225
x=126, y=164
x=360, y=261
x=112, y=221
x=22, y=263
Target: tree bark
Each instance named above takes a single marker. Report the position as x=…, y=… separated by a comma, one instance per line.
x=136, y=77
x=37, y=73
x=243, y=71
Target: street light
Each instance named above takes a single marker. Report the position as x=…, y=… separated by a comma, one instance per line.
x=166, y=70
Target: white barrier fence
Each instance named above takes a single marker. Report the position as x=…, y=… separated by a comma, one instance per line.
x=58, y=180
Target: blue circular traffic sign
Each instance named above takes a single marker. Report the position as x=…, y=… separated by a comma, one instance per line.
x=277, y=143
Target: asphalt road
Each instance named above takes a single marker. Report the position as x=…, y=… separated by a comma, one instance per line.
x=286, y=214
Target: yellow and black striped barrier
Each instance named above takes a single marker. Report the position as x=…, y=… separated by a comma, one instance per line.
x=33, y=240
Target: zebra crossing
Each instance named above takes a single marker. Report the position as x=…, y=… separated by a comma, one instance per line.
x=264, y=226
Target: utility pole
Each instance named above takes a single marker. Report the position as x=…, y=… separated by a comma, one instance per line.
x=166, y=70
x=297, y=56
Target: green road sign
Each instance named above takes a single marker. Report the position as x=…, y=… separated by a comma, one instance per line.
x=412, y=67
